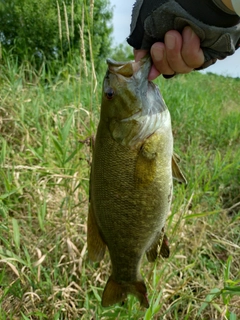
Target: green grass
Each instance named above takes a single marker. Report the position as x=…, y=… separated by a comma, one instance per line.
x=44, y=170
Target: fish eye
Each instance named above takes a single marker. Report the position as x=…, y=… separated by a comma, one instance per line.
x=109, y=93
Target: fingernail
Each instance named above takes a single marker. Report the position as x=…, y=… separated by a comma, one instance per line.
x=189, y=34
x=170, y=41
x=157, y=55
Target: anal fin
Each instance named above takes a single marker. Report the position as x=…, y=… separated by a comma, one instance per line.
x=165, y=250
x=160, y=247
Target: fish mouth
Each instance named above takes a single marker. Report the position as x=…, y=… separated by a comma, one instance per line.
x=130, y=68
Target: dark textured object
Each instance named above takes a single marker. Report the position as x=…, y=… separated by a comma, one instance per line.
x=153, y=18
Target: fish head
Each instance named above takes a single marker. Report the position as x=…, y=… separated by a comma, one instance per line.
x=124, y=87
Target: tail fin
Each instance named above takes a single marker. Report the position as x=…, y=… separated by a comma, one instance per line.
x=115, y=292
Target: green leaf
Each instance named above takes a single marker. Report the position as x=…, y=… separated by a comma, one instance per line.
x=71, y=156
x=6, y=195
x=200, y=215
x=57, y=145
x=232, y=316
x=232, y=290
x=66, y=129
x=16, y=233
x=213, y=293
x=227, y=269
x=25, y=317
x=3, y=144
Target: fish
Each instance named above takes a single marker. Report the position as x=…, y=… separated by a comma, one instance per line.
x=131, y=181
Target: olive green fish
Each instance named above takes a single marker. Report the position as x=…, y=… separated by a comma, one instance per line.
x=131, y=178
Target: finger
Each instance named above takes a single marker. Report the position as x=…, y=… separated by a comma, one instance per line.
x=192, y=54
x=154, y=73
x=159, y=58
x=139, y=54
x=173, y=45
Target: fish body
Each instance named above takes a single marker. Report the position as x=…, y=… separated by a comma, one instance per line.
x=131, y=178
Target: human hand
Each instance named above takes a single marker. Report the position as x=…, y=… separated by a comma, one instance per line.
x=156, y=22
x=180, y=53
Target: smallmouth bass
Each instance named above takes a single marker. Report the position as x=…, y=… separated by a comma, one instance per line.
x=131, y=178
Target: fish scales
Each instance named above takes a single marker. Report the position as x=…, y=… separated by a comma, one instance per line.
x=139, y=208
x=131, y=178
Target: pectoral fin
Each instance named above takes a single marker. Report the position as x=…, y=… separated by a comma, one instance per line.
x=96, y=246
x=176, y=171
x=146, y=165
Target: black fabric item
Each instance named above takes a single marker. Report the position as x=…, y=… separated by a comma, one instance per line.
x=207, y=12
x=151, y=19
x=147, y=8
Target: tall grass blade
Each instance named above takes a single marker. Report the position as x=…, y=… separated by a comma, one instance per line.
x=16, y=233
x=66, y=23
